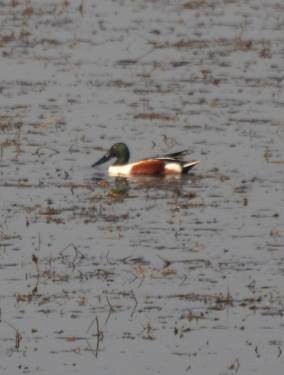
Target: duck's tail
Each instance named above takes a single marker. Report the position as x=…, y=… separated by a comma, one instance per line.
x=188, y=165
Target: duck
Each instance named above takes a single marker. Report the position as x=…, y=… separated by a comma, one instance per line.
x=169, y=164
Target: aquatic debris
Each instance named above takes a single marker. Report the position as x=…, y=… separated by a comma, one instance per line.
x=155, y=116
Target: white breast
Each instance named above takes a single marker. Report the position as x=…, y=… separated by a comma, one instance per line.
x=120, y=170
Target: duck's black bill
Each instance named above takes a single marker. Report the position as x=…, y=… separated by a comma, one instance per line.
x=104, y=159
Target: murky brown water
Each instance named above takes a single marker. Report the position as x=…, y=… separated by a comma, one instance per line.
x=148, y=275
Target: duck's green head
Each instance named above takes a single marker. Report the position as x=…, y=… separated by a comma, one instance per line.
x=119, y=151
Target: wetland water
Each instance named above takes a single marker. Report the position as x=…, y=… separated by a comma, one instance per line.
x=146, y=276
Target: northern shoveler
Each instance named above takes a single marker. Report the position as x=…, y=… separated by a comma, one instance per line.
x=164, y=165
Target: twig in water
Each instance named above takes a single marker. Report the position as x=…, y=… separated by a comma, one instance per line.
x=39, y=241
x=167, y=263
x=99, y=335
x=35, y=260
x=75, y=257
x=18, y=337
x=107, y=257
x=235, y=365
x=111, y=309
x=90, y=326
x=148, y=329
x=136, y=304
x=141, y=282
